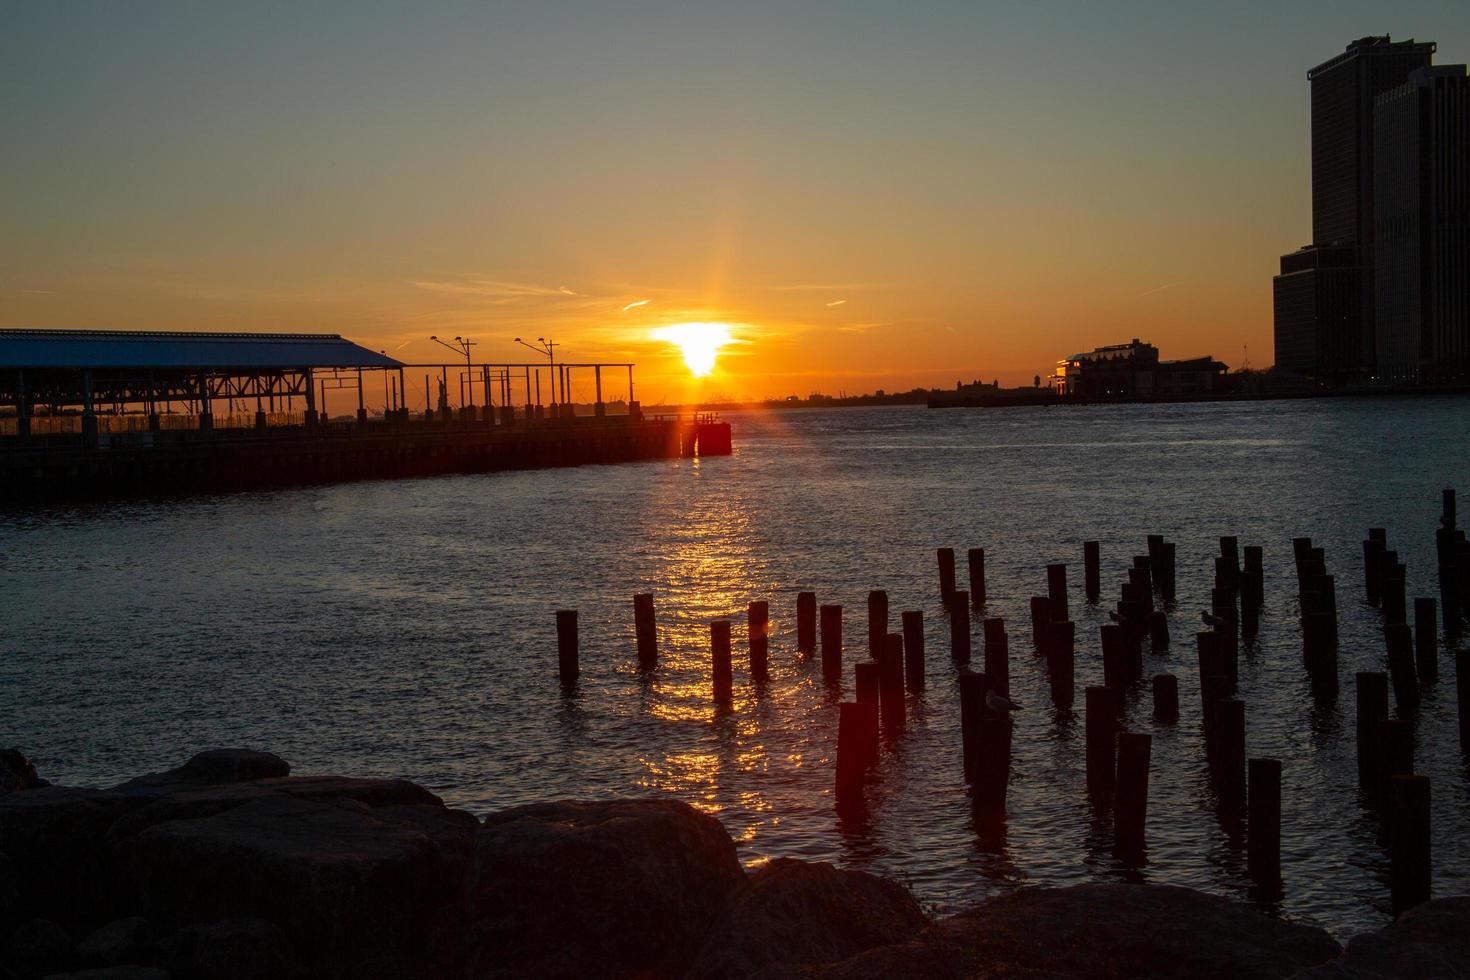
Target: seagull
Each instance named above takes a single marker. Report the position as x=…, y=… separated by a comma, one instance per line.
x=1210, y=619
x=1001, y=706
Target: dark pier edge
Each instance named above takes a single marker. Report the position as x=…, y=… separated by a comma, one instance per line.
x=226, y=460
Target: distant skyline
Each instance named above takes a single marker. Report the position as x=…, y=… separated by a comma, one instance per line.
x=869, y=196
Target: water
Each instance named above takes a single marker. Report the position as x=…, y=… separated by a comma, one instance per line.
x=405, y=628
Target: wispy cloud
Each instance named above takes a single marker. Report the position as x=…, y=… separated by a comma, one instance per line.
x=40, y=292
x=635, y=304
x=1157, y=289
x=493, y=290
x=829, y=287
x=837, y=302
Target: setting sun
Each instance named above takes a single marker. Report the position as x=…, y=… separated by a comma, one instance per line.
x=700, y=343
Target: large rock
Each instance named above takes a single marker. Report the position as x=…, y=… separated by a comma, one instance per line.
x=792, y=912
x=1429, y=940
x=119, y=942
x=218, y=766
x=17, y=772
x=611, y=889
x=38, y=947
x=1101, y=931
x=235, y=949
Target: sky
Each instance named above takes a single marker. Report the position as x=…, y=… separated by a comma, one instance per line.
x=868, y=195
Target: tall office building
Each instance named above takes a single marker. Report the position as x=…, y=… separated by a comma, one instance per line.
x=1344, y=91
x=1421, y=190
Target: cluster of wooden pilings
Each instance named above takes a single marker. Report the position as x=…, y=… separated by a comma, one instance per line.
x=1117, y=760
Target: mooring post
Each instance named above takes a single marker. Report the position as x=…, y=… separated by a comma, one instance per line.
x=857, y=741
x=831, y=617
x=1060, y=658
x=1040, y=619
x=566, y=645
x=1401, y=668
x=998, y=655
x=866, y=681
x=1426, y=639
x=946, y=575
x=1166, y=697
x=758, y=618
x=1166, y=585
x=1101, y=727
x=972, y=706
x=1158, y=631
x=1395, y=754
x=1130, y=807
x=1462, y=696
x=1115, y=655
x=1263, y=823
x=1229, y=722
x=1056, y=591
x=806, y=622
x=1447, y=514
x=993, y=763
x=1372, y=564
x=890, y=684
x=976, y=557
x=913, y=649
x=877, y=622
x=1092, y=570
x=959, y=627
x=646, y=630
x=719, y=641
x=1409, y=847
x=1372, y=705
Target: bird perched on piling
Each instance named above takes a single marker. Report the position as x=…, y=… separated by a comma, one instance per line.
x=1000, y=705
x=1210, y=619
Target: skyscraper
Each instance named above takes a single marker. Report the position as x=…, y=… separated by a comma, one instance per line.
x=1421, y=189
x=1344, y=90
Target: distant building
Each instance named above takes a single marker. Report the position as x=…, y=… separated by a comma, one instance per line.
x=1421, y=189
x=1133, y=370
x=1319, y=322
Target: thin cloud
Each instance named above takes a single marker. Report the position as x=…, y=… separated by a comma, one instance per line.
x=636, y=303
x=567, y=292
x=829, y=287
x=1157, y=289
x=492, y=289
x=837, y=302
x=40, y=292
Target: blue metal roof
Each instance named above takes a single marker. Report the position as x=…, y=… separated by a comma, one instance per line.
x=176, y=350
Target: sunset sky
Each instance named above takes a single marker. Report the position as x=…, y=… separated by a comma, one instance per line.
x=867, y=194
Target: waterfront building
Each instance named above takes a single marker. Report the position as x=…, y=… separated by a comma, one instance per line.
x=1134, y=370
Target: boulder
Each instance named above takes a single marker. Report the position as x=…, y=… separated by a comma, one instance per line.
x=121, y=941
x=611, y=889
x=1429, y=940
x=38, y=947
x=793, y=912
x=115, y=973
x=235, y=949
x=17, y=772
x=218, y=766
x=1101, y=931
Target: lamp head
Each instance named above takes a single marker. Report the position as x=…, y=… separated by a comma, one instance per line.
x=433, y=337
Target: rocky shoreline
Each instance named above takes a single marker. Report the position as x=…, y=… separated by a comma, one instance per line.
x=229, y=867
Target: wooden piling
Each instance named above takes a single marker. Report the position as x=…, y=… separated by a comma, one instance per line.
x=857, y=748
x=1229, y=762
x=1101, y=726
x=992, y=763
x=1372, y=704
x=866, y=681
x=1230, y=552
x=1462, y=696
x=1166, y=697
x=913, y=650
x=976, y=557
x=1040, y=619
x=1115, y=655
x=758, y=620
x=1426, y=639
x=831, y=623
x=1167, y=583
x=946, y=575
x=959, y=627
x=1092, y=570
x=646, y=630
x=1056, y=591
x=1395, y=754
x=1263, y=822
x=806, y=623
x=1130, y=807
x=567, y=652
x=877, y=622
x=1372, y=563
x=890, y=684
x=972, y=707
x=1158, y=631
x=1401, y=671
x=719, y=642
x=1060, y=658
x=1409, y=847
x=1447, y=513
x=997, y=655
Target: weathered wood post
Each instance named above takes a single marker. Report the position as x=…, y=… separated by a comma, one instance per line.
x=1395, y=754
x=831, y=622
x=567, y=645
x=1263, y=823
x=959, y=627
x=857, y=748
x=877, y=622
x=972, y=707
x=993, y=763
x=1101, y=727
x=976, y=558
x=1115, y=655
x=1056, y=591
x=1426, y=639
x=1092, y=570
x=1462, y=696
x=1372, y=704
x=913, y=649
x=806, y=622
x=1229, y=723
x=646, y=629
x=1447, y=513
x=890, y=684
x=1372, y=565
x=1166, y=697
x=946, y=575
x=1060, y=658
x=1401, y=667
x=758, y=621
x=719, y=642
x=997, y=655
x=1409, y=848
x=1158, y=631
x=866, y=680
x=1130, y=807
x=1040, y=619
x=1230, y=551
x=1167, y=583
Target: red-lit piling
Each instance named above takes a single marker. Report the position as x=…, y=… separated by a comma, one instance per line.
x=997, y=655
x=1060, y=659
x=946, y=575
x=1372, y=705
x=831, y=623
x=1166, y=697
x=972, y=707
x=1056, y=591
x=913, y=650
x=877, y=622
x=992, y=764
x=976, y=557
x=1101, y=727
x=1130, y=806
x=857, y=749
x=1092, y=570
x=567, y=652
x=890, y=684
x=1263, y=822
x=1409, y=847
x=645, y=628
x=722, y=680
x=959, y=627
x=758, y=621
x=1426, y=639
x=866, y=681
x=806, y=623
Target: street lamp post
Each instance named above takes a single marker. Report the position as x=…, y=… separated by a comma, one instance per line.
x=548, y=348
x=461, y=345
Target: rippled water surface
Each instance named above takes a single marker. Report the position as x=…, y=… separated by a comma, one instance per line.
x=406, y=628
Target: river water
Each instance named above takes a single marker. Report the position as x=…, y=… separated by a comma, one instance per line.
x=406, y=629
